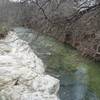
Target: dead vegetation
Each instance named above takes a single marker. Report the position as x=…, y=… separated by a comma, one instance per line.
x=86, y=33
x=3, y=32
x=68, y=21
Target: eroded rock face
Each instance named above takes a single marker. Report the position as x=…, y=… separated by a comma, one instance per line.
x=22, y=73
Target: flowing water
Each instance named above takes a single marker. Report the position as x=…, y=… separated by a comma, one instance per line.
x=79, y=76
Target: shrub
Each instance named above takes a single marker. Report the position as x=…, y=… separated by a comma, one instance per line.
x=3, y=31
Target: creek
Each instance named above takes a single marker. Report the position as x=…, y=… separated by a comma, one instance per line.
x=79, y=76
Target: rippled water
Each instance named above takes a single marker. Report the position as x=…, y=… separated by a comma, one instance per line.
x=79, y=76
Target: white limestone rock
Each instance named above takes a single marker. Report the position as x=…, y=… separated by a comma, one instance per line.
x=22, y=74
x=40, y=84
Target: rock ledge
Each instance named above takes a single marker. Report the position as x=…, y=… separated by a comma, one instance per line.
x=22, y=73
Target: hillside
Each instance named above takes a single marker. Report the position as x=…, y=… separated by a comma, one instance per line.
x=84, y=33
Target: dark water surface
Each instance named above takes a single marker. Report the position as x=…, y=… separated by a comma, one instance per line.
x=79, y=76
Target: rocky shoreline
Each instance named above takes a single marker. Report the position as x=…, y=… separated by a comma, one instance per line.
x=22, y=73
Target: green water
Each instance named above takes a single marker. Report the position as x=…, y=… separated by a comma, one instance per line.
x=79, y=76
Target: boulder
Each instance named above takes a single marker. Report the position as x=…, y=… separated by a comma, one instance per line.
x=22, y=73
